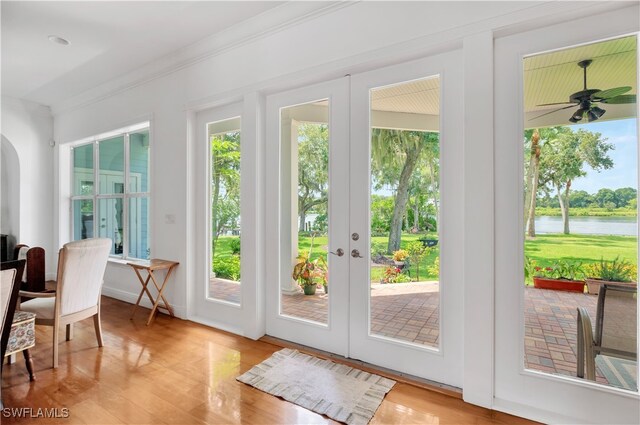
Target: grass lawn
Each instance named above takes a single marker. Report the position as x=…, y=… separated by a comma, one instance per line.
x=544, y=249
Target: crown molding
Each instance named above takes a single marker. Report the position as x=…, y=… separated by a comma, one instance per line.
x=270, y=22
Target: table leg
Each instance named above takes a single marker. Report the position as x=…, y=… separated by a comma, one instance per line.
x=160, y=296
x=144, y=284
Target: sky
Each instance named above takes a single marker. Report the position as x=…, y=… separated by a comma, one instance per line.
x=622, y=134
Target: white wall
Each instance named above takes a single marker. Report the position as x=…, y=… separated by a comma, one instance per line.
x=28, y=127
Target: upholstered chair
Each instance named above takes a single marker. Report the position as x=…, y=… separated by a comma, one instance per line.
x=81, y=267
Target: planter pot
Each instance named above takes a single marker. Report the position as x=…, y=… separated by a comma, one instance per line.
x=309, y=289
x=594, y=284
x=326, y=289
x=558, y=284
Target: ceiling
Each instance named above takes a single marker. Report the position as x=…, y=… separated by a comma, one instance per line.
x=108, y=39
x=552, y=77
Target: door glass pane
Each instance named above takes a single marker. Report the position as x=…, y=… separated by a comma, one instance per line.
x=139, y=228
x=139, y=161
x=580, y=213
x=82, y=219
x=404, y=212
x=83, y=170
x=305, y=221
x=110, y=225
x=224, y=140
x=112, y=166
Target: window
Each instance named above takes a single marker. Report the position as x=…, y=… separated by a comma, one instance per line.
x=110, y=191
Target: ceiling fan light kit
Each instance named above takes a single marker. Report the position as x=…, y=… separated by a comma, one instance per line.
x=586, y=99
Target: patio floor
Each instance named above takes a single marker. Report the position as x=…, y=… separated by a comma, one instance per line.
x=410, y=312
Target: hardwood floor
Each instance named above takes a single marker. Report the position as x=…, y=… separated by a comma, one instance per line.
x=179, y=372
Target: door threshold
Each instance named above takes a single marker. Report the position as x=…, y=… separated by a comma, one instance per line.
x=368, y=367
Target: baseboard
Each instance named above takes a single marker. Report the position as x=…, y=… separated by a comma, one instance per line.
x=130, y=297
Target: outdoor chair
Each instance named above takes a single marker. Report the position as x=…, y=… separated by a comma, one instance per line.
x=615, y=330
x=81, y=267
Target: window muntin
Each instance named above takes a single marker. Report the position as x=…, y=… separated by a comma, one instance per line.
x=112, y=199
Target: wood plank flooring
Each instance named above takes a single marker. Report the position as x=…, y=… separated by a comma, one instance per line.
x=179, y=372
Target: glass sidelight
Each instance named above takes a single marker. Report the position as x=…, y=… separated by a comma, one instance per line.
x=304, y=143
x=225, y=220
x=580, y=213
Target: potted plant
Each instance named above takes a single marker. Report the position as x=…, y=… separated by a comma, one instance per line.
x=616, y=272
x=563, y=275
x=308, y=272
x=393, y=274
x=399, y=257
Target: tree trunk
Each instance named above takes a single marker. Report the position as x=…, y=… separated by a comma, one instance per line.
x=563, y=209
x=303, y=219
x=406, y=219
x=434, y=190
x=565, y=218
x=214, y=214
x=416, y=220
x=534, y=171
x=402, y=196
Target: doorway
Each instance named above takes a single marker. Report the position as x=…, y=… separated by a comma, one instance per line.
x=364, y=207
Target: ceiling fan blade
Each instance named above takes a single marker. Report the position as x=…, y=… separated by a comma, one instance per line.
x=609, y=93
x=558, y=103
x=551, y=112
x=625, y=98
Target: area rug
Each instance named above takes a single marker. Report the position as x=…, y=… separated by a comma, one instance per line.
x=621, y=373
x=340, y=392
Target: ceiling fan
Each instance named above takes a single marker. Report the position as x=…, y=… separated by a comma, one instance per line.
x=587, y=99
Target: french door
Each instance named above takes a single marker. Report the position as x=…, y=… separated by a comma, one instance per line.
x=360, y=170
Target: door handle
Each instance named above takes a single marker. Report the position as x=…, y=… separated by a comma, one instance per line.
x=356, y=254
x=339, y=252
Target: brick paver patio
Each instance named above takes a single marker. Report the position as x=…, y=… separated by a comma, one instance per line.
x=410, y=312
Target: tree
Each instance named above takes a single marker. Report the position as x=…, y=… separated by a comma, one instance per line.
x=395, y=154
x=604, y=196
x=225, y=184
x=624, y=195
x=580, y=199
x=564, y=160
x=535, y=140
x=313, y=170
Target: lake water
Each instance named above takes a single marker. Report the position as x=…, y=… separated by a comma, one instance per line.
x=623, y=226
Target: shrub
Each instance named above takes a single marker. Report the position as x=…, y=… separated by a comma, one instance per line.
x=394, y=275
x=400, y=255
x=613, y=271
x=434, y=270
x=227, y=268
x=234, y=245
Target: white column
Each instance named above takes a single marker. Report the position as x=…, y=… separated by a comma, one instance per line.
x=478, y=220
x=289, y=149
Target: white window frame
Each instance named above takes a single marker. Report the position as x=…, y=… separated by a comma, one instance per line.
x=125, y=196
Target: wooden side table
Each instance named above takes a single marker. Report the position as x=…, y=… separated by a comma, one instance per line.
x=151, y=267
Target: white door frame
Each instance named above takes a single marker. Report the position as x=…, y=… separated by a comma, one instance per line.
x=442, y=364
x=279, y=232
x=523, y=392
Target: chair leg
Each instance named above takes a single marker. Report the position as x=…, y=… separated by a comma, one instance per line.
x=98, y=327
x=29, y=362
x=69, y=331
x=56, y=330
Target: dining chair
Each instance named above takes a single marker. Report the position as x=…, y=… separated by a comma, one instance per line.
x=81, y=267
x=11, y=275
